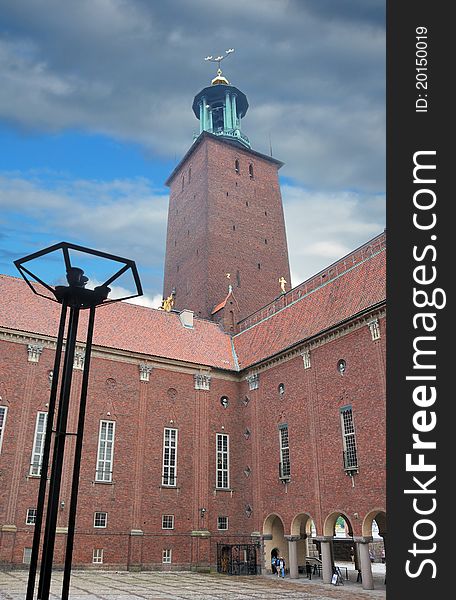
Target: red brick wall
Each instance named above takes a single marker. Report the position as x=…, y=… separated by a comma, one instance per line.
x=310, y=407
x=225, y=222
x=136, y=500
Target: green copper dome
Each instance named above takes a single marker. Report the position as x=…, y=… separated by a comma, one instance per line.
x=220, y=108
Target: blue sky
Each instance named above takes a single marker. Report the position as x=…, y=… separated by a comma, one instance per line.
x=95, y=111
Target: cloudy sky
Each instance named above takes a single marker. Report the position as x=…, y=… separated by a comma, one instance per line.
x=95, y=111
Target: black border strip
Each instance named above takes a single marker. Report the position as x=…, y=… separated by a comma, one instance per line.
x=419, y=123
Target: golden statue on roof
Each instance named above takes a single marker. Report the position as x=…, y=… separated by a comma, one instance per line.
x=168, y=303
x=218, y=59
x=282, y=282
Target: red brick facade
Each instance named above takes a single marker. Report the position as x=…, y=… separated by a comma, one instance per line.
x=135, y=500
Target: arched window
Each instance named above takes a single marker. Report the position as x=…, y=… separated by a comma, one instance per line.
x=236, y=166
x=251, y=171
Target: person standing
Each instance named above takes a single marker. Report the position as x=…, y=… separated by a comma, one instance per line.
x=281, y=569
x=273, y=564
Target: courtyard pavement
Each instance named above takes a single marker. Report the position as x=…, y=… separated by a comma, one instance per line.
x=153, y=585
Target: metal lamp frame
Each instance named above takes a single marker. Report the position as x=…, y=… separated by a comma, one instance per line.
x=73, y=298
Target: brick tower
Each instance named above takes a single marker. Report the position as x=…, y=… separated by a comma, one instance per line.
x=226, y=228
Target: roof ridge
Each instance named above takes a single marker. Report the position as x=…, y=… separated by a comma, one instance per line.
x=316, y=281
x=303, y=296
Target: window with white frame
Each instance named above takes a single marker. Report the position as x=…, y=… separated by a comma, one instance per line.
x=223, y=461
x=348, y=439
x=38, y=443
x=222, y=522
x=167, y=521
x=284, y=466
x=100, y=519
x=26, y=557
x=97, y=555
x=166, y=556
x=105, y=454
x=374, y=327
x=169, y=456
x=3, y=411
x=31, y=516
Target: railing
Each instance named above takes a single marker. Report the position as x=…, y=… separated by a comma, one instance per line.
x=344, y=264
x=233, y=133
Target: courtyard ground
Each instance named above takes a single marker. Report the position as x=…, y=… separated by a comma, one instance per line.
x=153, y=585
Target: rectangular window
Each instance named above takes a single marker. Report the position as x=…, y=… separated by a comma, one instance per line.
x=31, y=516
x=38, y=443
x=167, y=521
x=223, y=461
x=27, y=556
x=222, y=522
x=166, y=556
x=3, y=411
x=348, y=439
x=169, y=456
x=105, y=451
x=97, y=556
x=284, y=466
x=100, y=519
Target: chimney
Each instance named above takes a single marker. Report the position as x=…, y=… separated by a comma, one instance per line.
x=186, y=318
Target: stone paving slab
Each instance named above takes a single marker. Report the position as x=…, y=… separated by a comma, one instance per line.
x=149, y=585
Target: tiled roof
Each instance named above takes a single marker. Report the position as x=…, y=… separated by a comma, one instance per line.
x=223, y=303
x=354, y=290
x=350, y=286
x=122, y=326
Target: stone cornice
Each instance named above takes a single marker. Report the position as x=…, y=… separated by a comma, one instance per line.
x=123, y=356
x=174, y=365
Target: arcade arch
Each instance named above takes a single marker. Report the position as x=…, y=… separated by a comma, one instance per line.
x=379, y=517
x=333, y=526
x=302, y=530
x=274, y=540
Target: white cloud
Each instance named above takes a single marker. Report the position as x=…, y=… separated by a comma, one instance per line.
x=314, y=76
x=121, y=217
x=119, y=292
x=323, y=227
x=150, y=302
x=313, y=73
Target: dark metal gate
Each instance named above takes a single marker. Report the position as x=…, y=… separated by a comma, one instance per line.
x=237, y=559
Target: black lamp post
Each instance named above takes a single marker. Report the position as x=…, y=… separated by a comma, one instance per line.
x=73, y=297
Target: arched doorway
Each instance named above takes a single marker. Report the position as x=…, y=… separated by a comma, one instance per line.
x=339, y=527
x=302, y=532
x=374, y=525
x=273, y=558
x=338, y=544
x=274, y=540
